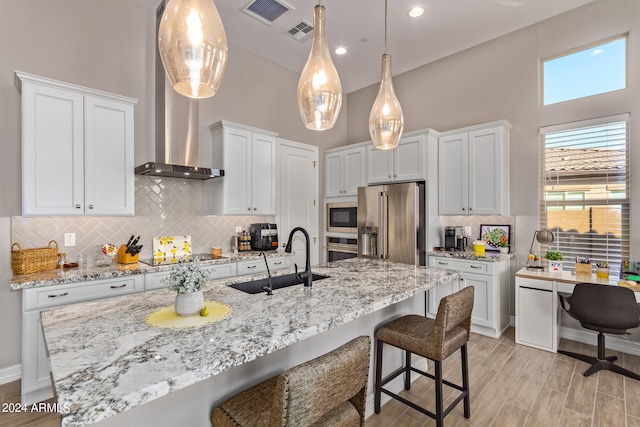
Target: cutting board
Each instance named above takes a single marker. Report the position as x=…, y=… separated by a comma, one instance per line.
x=171, y=248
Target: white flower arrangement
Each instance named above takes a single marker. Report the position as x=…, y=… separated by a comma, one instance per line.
x=187, y=277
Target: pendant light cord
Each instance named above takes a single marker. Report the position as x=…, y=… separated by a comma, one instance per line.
x=385, y=26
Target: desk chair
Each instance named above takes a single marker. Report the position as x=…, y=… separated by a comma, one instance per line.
x=605, y=309
x=328, y=391
x=434, y=339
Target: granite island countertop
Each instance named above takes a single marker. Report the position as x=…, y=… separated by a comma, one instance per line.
x=84, y=274
x=105, y=359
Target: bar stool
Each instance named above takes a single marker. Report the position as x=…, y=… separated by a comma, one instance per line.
x=434, y=339
x=328, y=391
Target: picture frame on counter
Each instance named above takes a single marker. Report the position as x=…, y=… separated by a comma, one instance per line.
x=492, y=234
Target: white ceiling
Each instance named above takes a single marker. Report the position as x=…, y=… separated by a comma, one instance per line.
x=446, y=27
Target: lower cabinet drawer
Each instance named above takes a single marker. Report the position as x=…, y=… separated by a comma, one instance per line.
x=251, y=267
x=469, y=266
x=52, y=296
x=279, y=263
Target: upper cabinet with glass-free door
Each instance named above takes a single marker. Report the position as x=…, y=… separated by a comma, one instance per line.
x=406, y=162
x=248, y=157
x=473, y=170
x=344, y=171
x=77, y=149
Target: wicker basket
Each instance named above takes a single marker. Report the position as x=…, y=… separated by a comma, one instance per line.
x=24, y=261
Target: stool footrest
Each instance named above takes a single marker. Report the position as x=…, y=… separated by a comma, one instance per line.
x=428, y=413
x=426, y=374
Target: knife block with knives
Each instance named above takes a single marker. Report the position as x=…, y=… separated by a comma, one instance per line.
x=126, y=258
x=128, y=254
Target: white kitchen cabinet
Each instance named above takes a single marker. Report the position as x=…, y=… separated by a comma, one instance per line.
x=258, y=265
x=406, y=162
x=153, y=281
x=536, y=313
x=473, y=170
x=490, y=281
x=77, y=149
x=36, y=381
x=344, y=171
x=248, y=157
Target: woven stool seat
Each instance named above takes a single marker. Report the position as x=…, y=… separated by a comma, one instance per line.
x=329, y=391
x=436, y=339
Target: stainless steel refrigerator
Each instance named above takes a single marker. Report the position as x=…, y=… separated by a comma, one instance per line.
x=391, y=222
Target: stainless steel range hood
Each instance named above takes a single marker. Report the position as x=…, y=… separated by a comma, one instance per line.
x=177, y=130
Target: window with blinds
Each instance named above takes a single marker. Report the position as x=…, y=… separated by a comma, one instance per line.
x=585, y=190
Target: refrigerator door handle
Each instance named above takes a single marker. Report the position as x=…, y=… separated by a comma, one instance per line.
x=384, y=223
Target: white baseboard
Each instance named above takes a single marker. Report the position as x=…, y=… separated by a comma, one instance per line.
x=9, y=374
x=612, y=342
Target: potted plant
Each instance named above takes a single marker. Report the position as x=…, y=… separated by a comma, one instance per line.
x=188, y=279
x=554, y=259
x=504, y=245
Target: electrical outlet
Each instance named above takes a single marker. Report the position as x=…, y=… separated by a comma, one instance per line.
x=69, y=239
x=238, y=230
x=467, y=231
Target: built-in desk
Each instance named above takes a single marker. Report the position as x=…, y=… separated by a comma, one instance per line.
x=538, y=307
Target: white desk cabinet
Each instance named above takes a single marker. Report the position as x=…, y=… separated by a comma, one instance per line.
x=473, y=174
x=536, y=313
x=36, y=381
x=538, y=309
x=77, y=150
x=344, y=171
x=490, y=280
x=406, y=162
x=248, y=157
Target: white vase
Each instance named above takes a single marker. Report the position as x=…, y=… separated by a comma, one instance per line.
x=504, y=250
x=189, y=304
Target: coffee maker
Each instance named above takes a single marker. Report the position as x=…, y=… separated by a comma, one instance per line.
x=264, y=236
x=454, y=239
x=449, y=238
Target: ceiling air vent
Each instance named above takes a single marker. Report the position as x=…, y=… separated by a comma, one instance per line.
x=267, y=11
x=302, y=32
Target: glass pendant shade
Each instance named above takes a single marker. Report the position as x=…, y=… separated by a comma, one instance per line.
x=386, y=120
x=193, y=47
x=319, y=88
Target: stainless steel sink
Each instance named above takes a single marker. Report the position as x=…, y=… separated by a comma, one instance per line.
x=277, y=282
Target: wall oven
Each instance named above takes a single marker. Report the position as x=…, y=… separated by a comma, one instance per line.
x=342, y=217
x=341, y=248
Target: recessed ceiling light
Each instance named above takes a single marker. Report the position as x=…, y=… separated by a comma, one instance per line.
x=340, y=50
x=416, y=11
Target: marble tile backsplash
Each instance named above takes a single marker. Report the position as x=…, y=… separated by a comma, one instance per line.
x=163, y=207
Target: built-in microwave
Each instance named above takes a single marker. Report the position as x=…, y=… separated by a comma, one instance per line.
x=342, y=217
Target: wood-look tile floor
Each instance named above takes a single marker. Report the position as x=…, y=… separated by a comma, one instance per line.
x=511, y=385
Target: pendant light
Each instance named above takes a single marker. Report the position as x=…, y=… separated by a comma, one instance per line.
x=193, y=47
x=386, y=120
x=319, y=88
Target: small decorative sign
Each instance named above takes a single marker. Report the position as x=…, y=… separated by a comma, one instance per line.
x=495, y=236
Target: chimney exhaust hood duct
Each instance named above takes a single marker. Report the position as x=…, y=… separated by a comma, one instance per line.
x=177, y=129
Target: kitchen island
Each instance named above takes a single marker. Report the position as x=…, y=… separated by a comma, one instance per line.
x=106, y=362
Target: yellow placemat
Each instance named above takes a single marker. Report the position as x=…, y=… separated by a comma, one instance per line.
x=167, y=318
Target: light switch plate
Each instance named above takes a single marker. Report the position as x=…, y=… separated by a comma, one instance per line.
x=69, y=239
